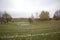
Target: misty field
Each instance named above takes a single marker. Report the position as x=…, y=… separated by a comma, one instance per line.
x=42, y=30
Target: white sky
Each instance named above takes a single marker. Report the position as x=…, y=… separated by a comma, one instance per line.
x=24, y=8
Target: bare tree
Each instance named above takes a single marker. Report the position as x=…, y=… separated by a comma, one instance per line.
x=32, y=19
x=57, y=15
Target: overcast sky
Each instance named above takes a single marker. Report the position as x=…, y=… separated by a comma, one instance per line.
x=25, y=8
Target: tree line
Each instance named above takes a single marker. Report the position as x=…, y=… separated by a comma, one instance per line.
x=44, y=16
x=6, y=17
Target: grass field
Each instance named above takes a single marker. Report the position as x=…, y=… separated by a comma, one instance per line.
x=43, y=30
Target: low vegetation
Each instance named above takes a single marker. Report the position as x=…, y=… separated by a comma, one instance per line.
x=16, y=28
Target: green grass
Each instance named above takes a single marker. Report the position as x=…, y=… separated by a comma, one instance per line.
x=13, y=29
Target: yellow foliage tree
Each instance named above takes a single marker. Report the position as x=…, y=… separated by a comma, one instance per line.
x=44, y=15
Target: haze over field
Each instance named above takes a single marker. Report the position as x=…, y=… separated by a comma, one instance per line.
x=25, y=8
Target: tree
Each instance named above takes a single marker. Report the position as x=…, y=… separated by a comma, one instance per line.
x=32, y=20
x=1, y=16
x=6, y=17
x=57, y=15
x=44, y=15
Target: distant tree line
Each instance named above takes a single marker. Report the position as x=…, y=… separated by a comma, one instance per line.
x=44, y=15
